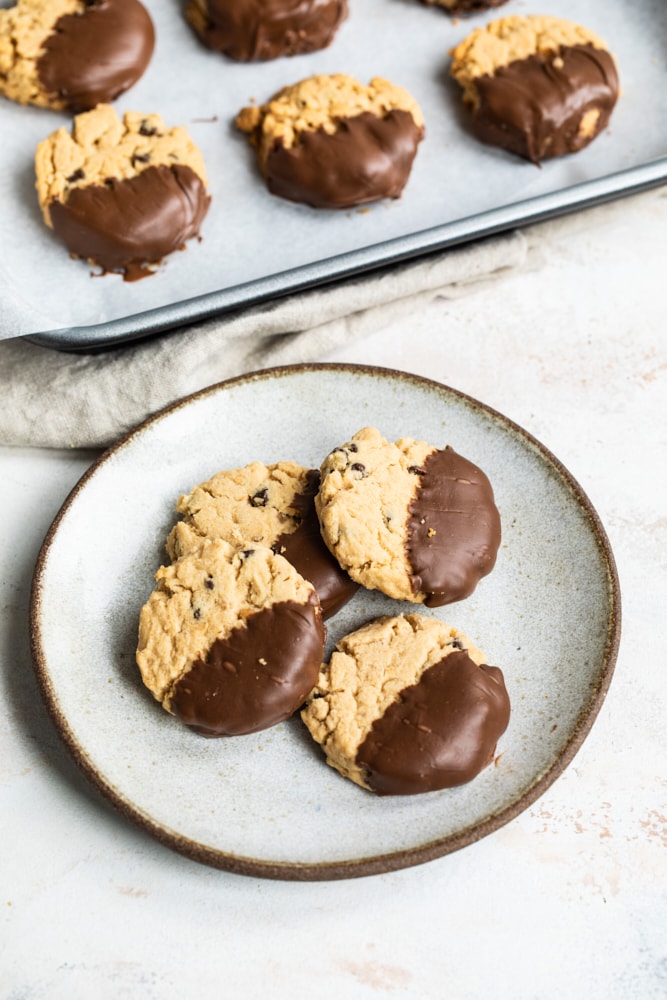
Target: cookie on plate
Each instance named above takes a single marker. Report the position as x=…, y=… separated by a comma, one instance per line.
x=462, y=7
x=406, y=705
x=254, y=30
x=73, y=54
x=121, y=194
x=270, y=505
x=333, y=142
x=537, y=86
x=230, y=640
x=417, y=522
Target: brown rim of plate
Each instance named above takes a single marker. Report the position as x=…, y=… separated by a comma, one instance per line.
x=356, y=868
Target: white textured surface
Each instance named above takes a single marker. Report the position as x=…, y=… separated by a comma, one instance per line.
x=570, y=899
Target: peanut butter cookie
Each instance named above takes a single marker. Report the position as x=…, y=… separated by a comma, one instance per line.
x=332, y=142
x=537, y=86
x=250, y=30
x=407, y=705
x=73, y=54
x=270, y=505
x=121, y=194
x=231, y=640
x=463, y=7
x=414, y=521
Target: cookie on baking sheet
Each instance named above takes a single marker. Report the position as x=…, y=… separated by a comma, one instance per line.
x=270, y=505
x=407, y=705
x=537, y=86
x=332, y=142
x=230, y=640
x=121, y=194
x=249, y=30
x=463, y=7
x=73, y=54
x=417, y=522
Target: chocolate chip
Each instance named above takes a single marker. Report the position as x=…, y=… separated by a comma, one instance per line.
x=78, y=175
x=457, y=644
x=197, y=614
x=352, y=447
x=260, y=498
x=358, y=467
x=141, y=158
x=416, y=470
x=146, y=129
x=247, y=552
x=209, y=583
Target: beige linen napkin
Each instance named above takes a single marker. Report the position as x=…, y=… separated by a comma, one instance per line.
x=56, y=399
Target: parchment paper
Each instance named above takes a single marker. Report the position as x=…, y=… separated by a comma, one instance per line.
x=249, y=233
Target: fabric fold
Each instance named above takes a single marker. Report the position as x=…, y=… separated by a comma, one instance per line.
x=87, y=400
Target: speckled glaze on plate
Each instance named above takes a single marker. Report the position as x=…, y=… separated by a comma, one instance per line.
x=267, y=804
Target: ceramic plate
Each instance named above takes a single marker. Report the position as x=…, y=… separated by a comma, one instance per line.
x=267, y=804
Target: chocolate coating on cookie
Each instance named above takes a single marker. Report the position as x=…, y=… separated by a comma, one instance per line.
x=125, y=225
x=537, y=107
x=254, y=30
x=366, y=159
x=256, y=676
x=407, y=704
x=94, y=56
x=453, y=530
x=331, y=141
x=416, y=522
x=458, y=8
x=536, y=85
x=440, y=732
x=306, y=551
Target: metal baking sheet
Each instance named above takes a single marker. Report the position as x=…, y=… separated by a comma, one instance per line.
x=257, y=247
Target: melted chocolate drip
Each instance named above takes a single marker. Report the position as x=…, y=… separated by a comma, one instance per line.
x=124, y=225
x=257, y=676
x=453, y=529
x=306, y=551
x=93, y=57
x=366, y=159
x=250, y=30
x=534, y=106
x=441, y=732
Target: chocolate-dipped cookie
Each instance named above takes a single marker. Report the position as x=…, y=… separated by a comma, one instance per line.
x=408, y=705
x=121, y=194
x=332, y=142
x=230, y=640
x=458, y=8
x=537, y=86
x=73, y=54
x=417, y=522
x=254, y=30
x=270, y=505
